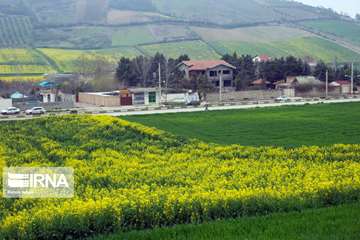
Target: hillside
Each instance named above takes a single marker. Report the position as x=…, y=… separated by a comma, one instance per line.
x=202, y=29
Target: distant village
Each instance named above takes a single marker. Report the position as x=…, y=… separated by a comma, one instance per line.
x=161, y=81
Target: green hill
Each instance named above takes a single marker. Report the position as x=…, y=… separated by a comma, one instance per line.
x=343, y=29
x=202, y=29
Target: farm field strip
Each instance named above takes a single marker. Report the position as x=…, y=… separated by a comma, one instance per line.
x=319, y=124
x=301, y=47
x=343, y=29
x=66, y=59
x=195, y=50
x=338, y=223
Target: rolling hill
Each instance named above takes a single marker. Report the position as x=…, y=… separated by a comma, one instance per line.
x=59, y=31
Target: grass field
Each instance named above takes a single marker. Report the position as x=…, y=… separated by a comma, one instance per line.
x=65, y=59
x=301, y=47
x=336, y=223
x=282, y=126
x=275, y=41
x=21, y=56
x=148, y=34
x=31, y=78
x=343, y=29
x=195, y=50
x=261, y=34
x=22, y=64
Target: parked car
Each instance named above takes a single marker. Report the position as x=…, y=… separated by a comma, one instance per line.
x=35, y=111
x=282, y=99
x=10, y=111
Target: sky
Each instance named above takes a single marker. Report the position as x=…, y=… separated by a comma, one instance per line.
x=348, y=6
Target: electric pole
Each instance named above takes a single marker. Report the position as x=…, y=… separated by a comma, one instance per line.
x=160, y=82
x=220, y=87
x=352, y=78
x=327, y=83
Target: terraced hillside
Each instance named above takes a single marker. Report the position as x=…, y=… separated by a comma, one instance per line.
x=347, y=30
x=232, y=12
x=20, y=63
x=65, y=60
x=76, y=27
x=15, y=31
x=274, y=41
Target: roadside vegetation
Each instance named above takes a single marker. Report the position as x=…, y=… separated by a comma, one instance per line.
x=132, y=177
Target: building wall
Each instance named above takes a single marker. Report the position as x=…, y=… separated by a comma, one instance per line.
x=288, y=92
x=216, y=78
x=99, y=100
x=146, y=98
x=345, y=89
x=319, y=92
x=5, y=103
x=224, y=77
x=244, y=95
x=46, y=99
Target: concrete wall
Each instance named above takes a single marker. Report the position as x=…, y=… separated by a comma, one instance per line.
x=345, y=89
x=99, y=100
x=5, y=103
x=319, y=93
x=243, y=95
x=224, y=77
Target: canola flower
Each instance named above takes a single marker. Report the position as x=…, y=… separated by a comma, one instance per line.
x=129, y=176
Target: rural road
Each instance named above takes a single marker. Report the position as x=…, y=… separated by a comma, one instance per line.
x=121, y=112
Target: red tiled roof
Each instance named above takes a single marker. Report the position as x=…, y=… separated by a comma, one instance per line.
x=262, y=58
x=343, y=82
x=204, y=65
x=260, y=82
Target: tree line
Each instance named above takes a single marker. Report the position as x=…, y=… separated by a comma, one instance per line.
x=144, y=71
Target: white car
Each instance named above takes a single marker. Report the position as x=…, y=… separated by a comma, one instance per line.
x=10, y=111
x=282, y=99
x=35, y=111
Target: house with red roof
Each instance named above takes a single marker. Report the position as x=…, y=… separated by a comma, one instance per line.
x=262, y=58
x=213, y=69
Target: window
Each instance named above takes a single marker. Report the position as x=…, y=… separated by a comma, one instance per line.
x=227, y=83
x=139, y=98
x=213, y=74
x=226, y=72
x=152, y=97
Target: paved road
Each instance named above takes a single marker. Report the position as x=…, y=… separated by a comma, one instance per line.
x=150, y=111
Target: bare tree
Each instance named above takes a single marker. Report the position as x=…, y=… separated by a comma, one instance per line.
x=142, y=66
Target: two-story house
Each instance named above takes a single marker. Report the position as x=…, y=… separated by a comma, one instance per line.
x=213, y=69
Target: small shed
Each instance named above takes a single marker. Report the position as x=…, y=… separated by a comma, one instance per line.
x=123, y=97
x=345, y=86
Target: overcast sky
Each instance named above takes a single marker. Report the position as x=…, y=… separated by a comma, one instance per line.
x=348, y=6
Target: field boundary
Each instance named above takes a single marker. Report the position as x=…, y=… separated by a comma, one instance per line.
x=50, y=61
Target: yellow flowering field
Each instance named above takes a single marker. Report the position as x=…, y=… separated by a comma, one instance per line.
x=128, y=176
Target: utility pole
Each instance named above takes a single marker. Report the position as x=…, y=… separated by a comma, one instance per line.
x=166, y=78
x=160, y=81
x=352, y=78
x=220, y=87
x=327, y=83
